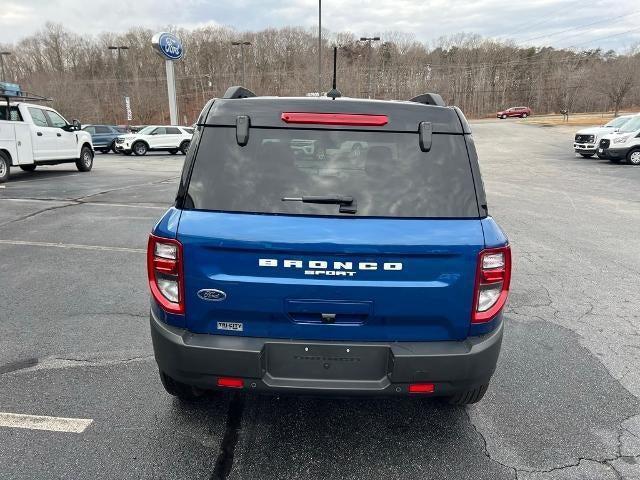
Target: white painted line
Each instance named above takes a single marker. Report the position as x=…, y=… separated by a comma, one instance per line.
x=72, y=246
x=39, y=422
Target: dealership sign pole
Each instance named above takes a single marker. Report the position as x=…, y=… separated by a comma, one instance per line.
x=170, y=48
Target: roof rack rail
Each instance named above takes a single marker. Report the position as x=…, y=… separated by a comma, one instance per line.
x=23, y=96
x=238, y=92
x=429, y=99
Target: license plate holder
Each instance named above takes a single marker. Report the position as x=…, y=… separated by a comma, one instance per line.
x=327, y=362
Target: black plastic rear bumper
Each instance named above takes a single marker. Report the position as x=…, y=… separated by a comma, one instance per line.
x=335, y=368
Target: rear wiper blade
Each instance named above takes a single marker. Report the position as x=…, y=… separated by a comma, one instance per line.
x=347, y=204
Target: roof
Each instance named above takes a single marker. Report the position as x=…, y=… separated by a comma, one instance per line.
x=403, y=116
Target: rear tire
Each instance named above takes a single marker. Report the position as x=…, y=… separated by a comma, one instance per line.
x=184, y=392
x=587, y=155
x=85, y=162
x=470, y=396
x=5, y=168
x=28, y=168
x=140, y=148
x=173, y=151
x=184, y=147
x=633, y=157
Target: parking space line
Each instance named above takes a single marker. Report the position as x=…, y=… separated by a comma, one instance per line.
x=39, y=422
x=72, y=246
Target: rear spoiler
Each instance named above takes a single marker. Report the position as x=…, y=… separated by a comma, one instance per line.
x=238, y=92
x=429, y=99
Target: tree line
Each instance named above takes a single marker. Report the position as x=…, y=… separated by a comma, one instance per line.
x=87, y=80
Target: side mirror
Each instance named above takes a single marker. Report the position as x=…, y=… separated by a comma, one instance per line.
x=76, y=124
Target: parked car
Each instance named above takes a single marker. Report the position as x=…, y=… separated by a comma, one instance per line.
x=167, y=138
x=389, y=279
x=586, y=140
x=623, y=145
x=104, y=136
x=32, y=135
x=522, y=112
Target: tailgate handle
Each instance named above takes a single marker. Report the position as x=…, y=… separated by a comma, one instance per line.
x=328, y=317
x=327, y=312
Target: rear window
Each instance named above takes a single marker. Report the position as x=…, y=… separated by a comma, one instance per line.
x=10, y=113
x=385, y=173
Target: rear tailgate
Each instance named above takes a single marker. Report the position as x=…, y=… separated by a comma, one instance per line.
x=329, y=278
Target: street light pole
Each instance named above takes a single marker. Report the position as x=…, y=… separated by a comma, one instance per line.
x=319, y=47
x=369, y=40
x=242, y=45
x=2, y=55
x=122, y=92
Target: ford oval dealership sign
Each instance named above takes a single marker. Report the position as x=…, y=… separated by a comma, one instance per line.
x=168, y=45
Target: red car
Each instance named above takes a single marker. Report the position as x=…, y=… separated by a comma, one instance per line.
x=521, y=112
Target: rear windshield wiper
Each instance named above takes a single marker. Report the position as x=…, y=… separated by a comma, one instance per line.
x=347, y=204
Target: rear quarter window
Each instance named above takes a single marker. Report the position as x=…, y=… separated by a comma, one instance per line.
x=386, y=173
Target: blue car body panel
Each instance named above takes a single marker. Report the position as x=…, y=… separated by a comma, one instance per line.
x=104, y=140
x=428, y=299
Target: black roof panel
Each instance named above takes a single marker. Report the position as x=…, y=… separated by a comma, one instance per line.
x=266, y=111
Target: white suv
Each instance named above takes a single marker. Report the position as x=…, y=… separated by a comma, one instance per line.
x=623, y=145
x=168, y=138
x=586, y=140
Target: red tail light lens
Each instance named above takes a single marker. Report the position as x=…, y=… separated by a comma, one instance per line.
x=166, y=277
x=492, y=283
x=353, y=119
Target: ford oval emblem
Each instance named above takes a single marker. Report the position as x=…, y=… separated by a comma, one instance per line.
x=168, y=45
x=212, y=295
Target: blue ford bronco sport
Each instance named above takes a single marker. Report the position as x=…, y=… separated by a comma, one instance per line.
x=336, y=246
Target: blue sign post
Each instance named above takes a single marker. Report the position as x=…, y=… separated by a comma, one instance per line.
x=169, y=47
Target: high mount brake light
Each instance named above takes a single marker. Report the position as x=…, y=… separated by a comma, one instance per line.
x=493, y=277
x=165, y=272
x=352, y=119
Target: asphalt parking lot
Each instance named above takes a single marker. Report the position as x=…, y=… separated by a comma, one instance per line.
x=563, y=403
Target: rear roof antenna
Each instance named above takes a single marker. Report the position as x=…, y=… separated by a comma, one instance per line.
x=334, y=92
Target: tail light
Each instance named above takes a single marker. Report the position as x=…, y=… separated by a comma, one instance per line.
x=166, y=276
x=492, y=283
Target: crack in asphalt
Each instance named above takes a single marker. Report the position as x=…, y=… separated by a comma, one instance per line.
x=18, y=365
x=224, y=463
x=606, y=462
x=60, y=362
x=71, y=202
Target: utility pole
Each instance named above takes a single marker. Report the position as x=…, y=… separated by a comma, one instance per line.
x=319, y=48
x=242, y=45
x=369, y=40
x=2, y=55
x=121, y=90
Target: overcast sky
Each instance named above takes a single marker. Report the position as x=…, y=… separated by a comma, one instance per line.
x=560, y=23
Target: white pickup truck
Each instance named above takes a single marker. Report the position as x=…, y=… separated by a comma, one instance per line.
x=33, y=135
